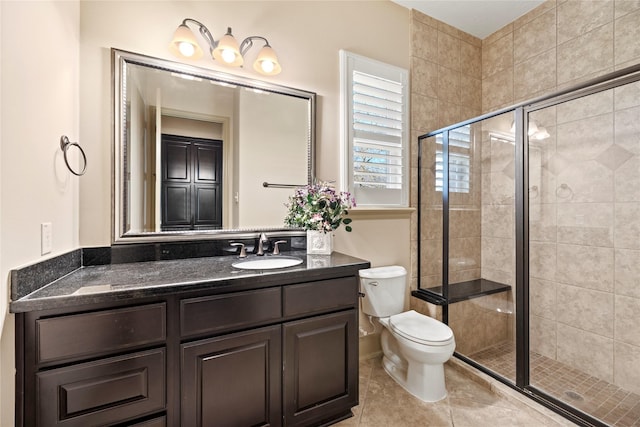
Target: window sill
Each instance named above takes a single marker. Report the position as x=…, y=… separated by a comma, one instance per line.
x=381, y=213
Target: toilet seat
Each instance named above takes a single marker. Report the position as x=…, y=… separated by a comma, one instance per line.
x=422, y=329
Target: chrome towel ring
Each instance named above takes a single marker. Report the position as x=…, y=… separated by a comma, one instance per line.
x=65, y=144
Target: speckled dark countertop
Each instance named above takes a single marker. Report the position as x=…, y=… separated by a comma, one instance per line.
x=115, y=282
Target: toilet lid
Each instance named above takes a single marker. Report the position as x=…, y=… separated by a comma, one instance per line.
x=420, y=328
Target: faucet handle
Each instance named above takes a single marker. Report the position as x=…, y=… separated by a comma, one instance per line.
x=276, y=248
x=243, y=251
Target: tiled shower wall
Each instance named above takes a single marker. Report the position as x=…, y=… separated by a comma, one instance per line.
x=582, y=272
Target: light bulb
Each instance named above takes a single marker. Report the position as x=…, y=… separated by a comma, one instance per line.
x=267, y=66
x=228, y=56
x=186, y=49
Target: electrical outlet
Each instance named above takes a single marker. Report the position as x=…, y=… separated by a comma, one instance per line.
x=46, y=238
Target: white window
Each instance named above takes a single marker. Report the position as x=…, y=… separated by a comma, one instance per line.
x=375, y=123
x=459, y=160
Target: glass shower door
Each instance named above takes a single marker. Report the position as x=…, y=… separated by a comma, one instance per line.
x=584, y=253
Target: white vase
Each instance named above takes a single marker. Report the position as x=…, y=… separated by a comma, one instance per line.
x=319, y=243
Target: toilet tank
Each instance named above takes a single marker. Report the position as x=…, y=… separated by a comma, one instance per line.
x=384, y=290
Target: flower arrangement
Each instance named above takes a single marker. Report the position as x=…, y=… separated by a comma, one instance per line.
x=319, y=207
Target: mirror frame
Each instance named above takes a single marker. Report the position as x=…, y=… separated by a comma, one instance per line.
x=119, y=61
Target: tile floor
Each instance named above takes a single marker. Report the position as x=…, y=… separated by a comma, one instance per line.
x=605, y=401
x=471, y=402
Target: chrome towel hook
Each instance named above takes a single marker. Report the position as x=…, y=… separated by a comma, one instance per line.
x=65, y=144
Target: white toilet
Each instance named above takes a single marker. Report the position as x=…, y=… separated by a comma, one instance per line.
x=415, y=346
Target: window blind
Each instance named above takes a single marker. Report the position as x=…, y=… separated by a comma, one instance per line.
x=377, y=124
x=459, y=161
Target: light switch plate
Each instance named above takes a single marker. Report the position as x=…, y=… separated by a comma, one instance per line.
x=46, y=238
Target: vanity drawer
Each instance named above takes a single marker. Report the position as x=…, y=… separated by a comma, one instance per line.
x=213, y=314
x=102, y=392
x=77, y=336
x=320, y=296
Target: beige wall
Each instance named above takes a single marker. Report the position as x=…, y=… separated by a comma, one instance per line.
x=306, y=35
x=40, y=102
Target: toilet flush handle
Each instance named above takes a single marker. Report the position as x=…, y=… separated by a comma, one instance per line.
x=373, y=283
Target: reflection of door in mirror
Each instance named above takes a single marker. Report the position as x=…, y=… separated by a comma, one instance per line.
x=191, y=183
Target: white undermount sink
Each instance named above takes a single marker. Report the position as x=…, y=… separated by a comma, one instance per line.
x=267, y=263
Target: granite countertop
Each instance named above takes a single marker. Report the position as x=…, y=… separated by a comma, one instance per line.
x=115, y=282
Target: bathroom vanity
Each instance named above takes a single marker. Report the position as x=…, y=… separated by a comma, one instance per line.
x=192, y=342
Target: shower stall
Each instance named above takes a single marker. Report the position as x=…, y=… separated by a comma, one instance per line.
x=529, y=239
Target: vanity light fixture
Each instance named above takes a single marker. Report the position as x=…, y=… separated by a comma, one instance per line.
x=226, y=50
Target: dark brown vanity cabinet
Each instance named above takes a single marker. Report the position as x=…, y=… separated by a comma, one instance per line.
x=284, y=355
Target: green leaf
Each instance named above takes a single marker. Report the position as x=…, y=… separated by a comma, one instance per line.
x=348, y=228
x=347, y=221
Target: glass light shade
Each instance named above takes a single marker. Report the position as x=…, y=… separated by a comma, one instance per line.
x=184, y=44
x=228, y=51
x=267, y=62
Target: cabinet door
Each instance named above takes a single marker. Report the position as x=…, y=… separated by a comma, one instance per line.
x=102, y=392
x=233, y=380
x=320, y=368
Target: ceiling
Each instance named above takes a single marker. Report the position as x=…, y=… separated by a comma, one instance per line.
x=477, y=17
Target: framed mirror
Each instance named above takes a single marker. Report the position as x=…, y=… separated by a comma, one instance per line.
x=200, y=154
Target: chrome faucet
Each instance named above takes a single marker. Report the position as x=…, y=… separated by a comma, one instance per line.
x=261, y=241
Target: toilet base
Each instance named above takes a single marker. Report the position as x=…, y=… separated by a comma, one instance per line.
x=412, y=379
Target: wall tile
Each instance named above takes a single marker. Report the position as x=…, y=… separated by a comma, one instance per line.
x=542, y=222
x=628, y=319
x=498, y=221
x=449, y=85
x=542, y=260
x=464, y=253
x=424, y=77
x=494, y=37
x=424, y=41
x=587, y=181
x=576, y=18
x=471, y=94
x=543, y=336
x=542, y=298
x=535, y=75
x=497, y=90
x=497, y=56
x=431, y=225
x=464, y=222
x=471, y=60
x=535, y=37
x=419, y=17
x=627, y=225
x=588, y=224
x=627, y=181
x=431, y=258
x=448, y=114
x=586, y=54
x=424, y=113
x=627, y=129
x=622, y=7
x=588, y=267
x=592, y=353
x=627, y=96
x=627, y=272
x=582, y=108
x=498, y=254
x=533, y=14
x=500, y=276
x=627, y=34
x=585, y=139
x=498, y=189
x=448, y=51
x=627, y=360
x=586, y=309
